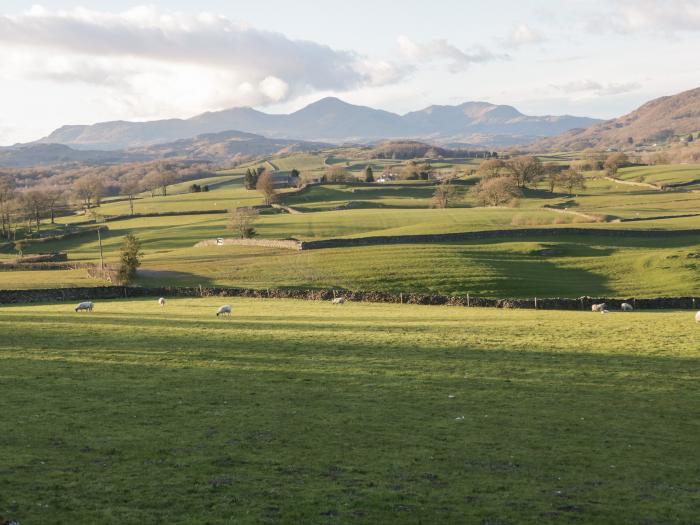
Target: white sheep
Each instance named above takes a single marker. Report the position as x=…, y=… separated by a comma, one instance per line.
x=161, y=301
x=626, y=307
x=85, y=306
x=338, y=300
x=697, y=317
x=598, y=307
x=224, y=310
x=605, y=311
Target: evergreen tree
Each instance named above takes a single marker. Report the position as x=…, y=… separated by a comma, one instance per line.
x=369, y=174
x=251, y=179
x=130, y=259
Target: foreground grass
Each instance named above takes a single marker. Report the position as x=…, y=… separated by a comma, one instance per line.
x=297, y=412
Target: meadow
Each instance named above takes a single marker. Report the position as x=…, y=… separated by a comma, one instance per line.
x=536, y=266
x=302, y=412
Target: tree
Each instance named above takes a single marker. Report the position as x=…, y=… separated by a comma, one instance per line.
x=20, y=246
x=130, y=259
x=614, y=162
x=34, y=204
x=410, y=171
x=690, y=138
x=55, y=197
x=7, y=195
x=241, y=222
x=497, y=191
x=165, y=178
x=266, y=186
x=552, y=172
x=131, y=186
x=337, y=174
x=491, y=168
x=89, y=190
x=251, y=179
x=572, y=179
x=525, y=170
x=445, y=194
x=369, y=174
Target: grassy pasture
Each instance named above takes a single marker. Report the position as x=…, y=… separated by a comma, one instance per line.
x=662, y=174
x=296, y=412
x=499, y=268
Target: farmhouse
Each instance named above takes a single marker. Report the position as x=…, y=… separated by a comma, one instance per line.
x=282, y=179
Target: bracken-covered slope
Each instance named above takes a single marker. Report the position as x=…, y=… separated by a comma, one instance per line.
x=654, y=122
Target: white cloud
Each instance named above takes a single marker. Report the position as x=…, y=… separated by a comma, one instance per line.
x=523, y=35
x=155, y=60
x=649, y=16
x=591, y=87
x=442, y=51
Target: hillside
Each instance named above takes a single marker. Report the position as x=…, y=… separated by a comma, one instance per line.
x=331, y=120
x=223, y=147
x=654, y=122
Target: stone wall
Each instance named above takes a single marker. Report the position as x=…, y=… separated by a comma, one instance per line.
x=120, y=292
x=490, y=234
x=266, y=243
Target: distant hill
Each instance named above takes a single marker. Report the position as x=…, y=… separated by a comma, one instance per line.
x=331, y=120
x=654, y=122
x=224, y=147
x=227, y=146
x=50, y=154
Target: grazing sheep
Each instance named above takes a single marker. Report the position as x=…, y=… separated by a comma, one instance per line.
x=161, y=301
x=85, y=306
x=626, y=307
x=224, y=310
x=697, y=317
x=605, y=311
x=338, y=300
x=598, y=307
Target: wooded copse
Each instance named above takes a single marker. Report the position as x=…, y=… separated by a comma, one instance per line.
x=29, y=196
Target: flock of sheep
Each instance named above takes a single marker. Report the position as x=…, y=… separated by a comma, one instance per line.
x=225, y=310
x=625, y=307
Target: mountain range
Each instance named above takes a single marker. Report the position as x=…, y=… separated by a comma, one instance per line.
x=332, y=120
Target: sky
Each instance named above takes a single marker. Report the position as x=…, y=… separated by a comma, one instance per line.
x=63, y=62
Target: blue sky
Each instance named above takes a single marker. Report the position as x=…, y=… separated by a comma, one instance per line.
x=63, y=62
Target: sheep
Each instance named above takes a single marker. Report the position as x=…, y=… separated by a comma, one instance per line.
x=161, y=301
x=338, y=300
x=697, y=317
x=598, y=307
x=224, y=310
x=85, y=306
x=626, y=307
x=605, y=312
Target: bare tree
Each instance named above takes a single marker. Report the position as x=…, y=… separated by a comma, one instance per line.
x=89, y=190
x=337, y=174
x=151, y=182
x=241, y=222
x=131, y=186
x=572, y=179
x=7, y=194
x=491, y=168
x=266, y=186
x=445, y=195
x=165, y=178
x=34, y=204
x=497, y=191
x=614, y=162
x=525, y=170
x=55, y=198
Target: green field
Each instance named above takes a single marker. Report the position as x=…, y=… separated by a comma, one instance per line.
x=501, y=267
x=299, y=412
